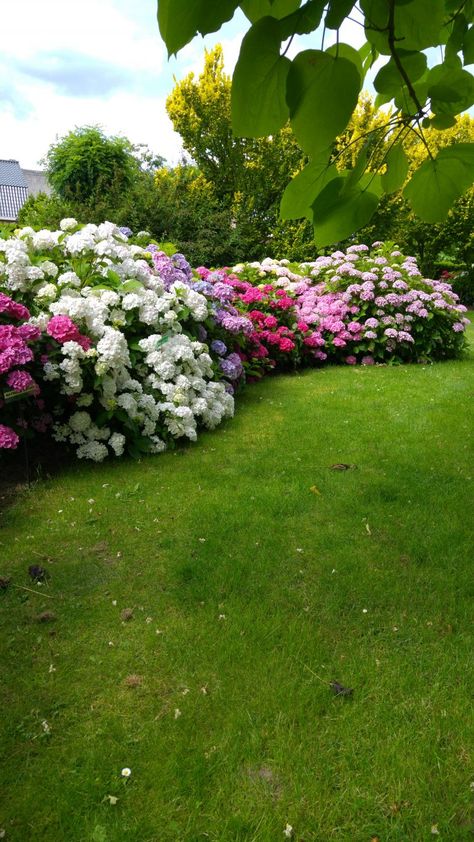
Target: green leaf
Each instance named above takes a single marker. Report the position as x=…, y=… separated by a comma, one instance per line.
x=468, y=46
x=338, y=214
x=131, y=286
x=418, y=23
x=369, y=55
x=451, y=89
x=346, y=51
x=180, y=20
x=259, y=82
x=443, y=121
x=322, y=93
x=337, y=13
x=397, y=169
x=303, y=21
x=114, y=278
x=302, y=190
x=389, y=79
x=256, y=9
x=438, y=182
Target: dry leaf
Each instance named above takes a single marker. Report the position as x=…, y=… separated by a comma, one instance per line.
x=46, y=617
x=339, y=689
x=315, y=490
x=126, y=614
x=133, y=680
x=342, y=466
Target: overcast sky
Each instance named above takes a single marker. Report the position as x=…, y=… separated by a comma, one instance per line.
x=66, y=63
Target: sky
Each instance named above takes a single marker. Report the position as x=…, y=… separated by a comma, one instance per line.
x=66, y=64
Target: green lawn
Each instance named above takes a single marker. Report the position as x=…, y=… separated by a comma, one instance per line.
x=256, y=575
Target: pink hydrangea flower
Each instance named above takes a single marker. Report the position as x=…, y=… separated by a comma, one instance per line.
x=21, y=380
x=8, y=438
x=13, y=308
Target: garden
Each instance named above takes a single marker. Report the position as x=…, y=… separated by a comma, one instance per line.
x=262, y=632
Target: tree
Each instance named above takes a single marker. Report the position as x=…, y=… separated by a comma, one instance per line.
x=318, y=92
x=248, y=176
x=86, y=165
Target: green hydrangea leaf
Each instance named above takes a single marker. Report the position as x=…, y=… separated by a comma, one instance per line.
x=259, y=83
x=322, y=92
x=438, y=182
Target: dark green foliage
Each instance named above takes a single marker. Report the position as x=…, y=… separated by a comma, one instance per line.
x=85, y=164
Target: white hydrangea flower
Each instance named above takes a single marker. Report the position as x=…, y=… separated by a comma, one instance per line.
x=80, y=421
x=68, y=279
x=47, y=291
x=117, y=442
x=68, y=223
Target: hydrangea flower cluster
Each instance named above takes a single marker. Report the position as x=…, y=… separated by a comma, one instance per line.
x=124, y=366
x=135, y=349
x=17, y=385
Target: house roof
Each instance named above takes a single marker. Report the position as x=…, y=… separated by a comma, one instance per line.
x=13, y=189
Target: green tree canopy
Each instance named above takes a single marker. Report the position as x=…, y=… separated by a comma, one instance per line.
x=86, y=164
x=318, y=92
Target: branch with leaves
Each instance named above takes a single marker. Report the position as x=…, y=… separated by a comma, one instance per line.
x=318, y=92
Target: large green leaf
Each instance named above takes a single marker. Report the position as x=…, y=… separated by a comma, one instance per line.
x=450, y=88
x=181, y=20
x=438, y=182
x=468, y=46
x=338, y=213
x=397, y=169
x=337, y=12
x=259, y=83
x=389, y=79
x=256, y=9
x=322, y=92
x=418, y=23
x=302, y=190
x=345, y=51
x=305, y=20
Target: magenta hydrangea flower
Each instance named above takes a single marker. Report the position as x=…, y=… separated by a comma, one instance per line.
x=8, y=438
x=63, y=329
x=19, y=381
x=13, y=308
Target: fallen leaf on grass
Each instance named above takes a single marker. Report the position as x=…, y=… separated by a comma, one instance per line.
x=112, y=799
x=133, y=680
x=339, y=689
x=342, y=466
x=315, y=490
x=126, y=614
x=46, y=617
x=38, y=573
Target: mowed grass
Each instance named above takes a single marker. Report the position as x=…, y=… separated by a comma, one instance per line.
x=256, y=575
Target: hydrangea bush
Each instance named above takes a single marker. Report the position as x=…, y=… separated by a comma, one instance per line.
x=125, y=365
x=136, y=350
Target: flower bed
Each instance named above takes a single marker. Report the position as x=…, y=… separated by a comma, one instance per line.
x=132, y=350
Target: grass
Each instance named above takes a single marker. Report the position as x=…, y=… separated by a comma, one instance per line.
x=256, y=575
